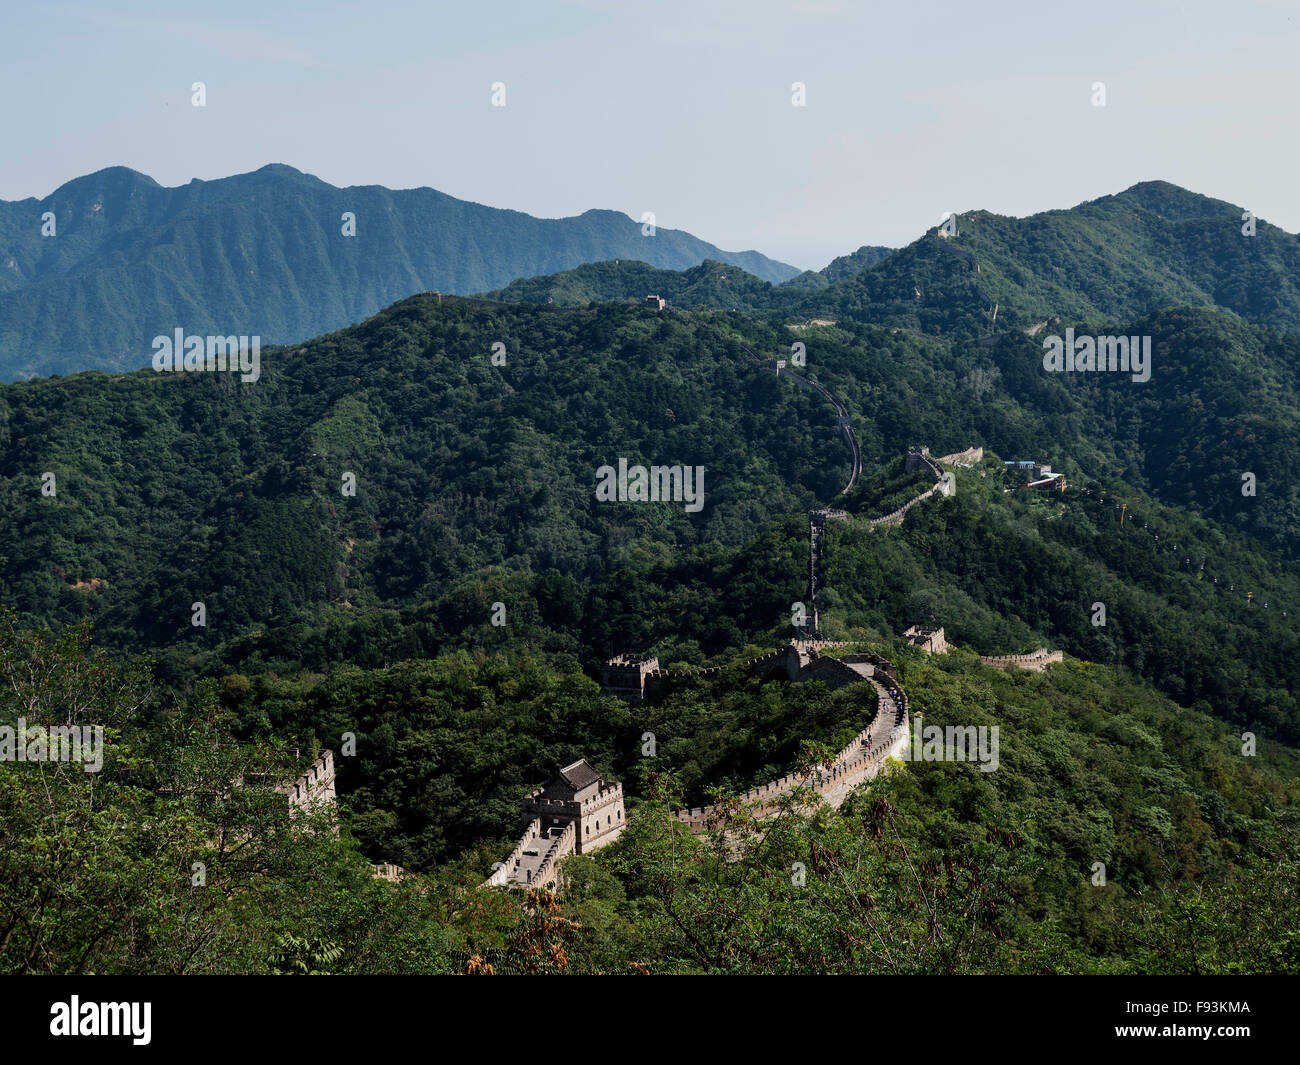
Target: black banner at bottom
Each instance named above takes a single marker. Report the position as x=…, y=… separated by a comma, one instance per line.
x=227, y=1015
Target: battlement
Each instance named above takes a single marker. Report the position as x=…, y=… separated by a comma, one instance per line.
x=314, y=786
x=927, y=637
x=799, y=660
x=825, y=514
x=969, y=457
x=533, y=861
x=576, y=811
x=896, y=517
x=817, y=645
x=625, y=675
x=860, y=760
x=538, y=800
x=560, y=847
x=634, y=661
x=1036, y=660
x=918, y=457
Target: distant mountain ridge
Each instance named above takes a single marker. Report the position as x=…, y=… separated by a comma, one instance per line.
x=841, y=267
x=711, y=284
x=264, y=253
x=1148, y=249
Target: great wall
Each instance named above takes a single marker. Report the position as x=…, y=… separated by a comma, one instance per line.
x=564, y=816
x=575, y=812
x=860, y=760
x=1035, y=661
x=570, y=809
x=817, y=518
x=313, y=787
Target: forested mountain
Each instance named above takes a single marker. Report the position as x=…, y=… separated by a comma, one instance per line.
x=1149, y=248
x=1120, y=834
x=475, y=483
x=351, y=521
x=721, y=286
x=841, y=267
x=711, y=285
x=265, y=254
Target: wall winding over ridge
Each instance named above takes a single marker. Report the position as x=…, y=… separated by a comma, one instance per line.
x=854, y=764
x=1035, y=660
x=896, y=518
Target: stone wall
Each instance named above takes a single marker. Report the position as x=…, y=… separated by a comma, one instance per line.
x=817, y=645
x=896, y=518
x=659, y=681
x=921, y=458
x=513, y=859
x=1037, y=660
x=624, y=676
x=600, y=818
x=510, y=870
x=854, y=764
x=314, y=787
x=930, y=639
x=561, y=847
x=833, y=672
x=842, y=415
x=968, y=457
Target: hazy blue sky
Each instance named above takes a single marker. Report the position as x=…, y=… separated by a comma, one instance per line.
x=680, y=108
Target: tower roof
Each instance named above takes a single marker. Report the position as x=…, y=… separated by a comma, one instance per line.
x=579, y=775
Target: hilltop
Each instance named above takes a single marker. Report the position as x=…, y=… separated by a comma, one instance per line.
x=264, y=253
x=1148, y=249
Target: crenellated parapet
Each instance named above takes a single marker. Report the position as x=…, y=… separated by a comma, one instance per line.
x=885, y=737
x=1035, y=660
x=896, y=517
x=927, y=637
x=314, y=787
x=969, y=457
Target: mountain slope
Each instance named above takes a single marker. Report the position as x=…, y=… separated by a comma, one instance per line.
x=841, y=267
x=1149, y=248
x=264, y=254
x=475, y=484
x=1145, y=250
x=711, y=284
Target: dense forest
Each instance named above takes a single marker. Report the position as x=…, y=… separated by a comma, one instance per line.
x=394, y=535
x=474, y=484
x=1121, y=833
